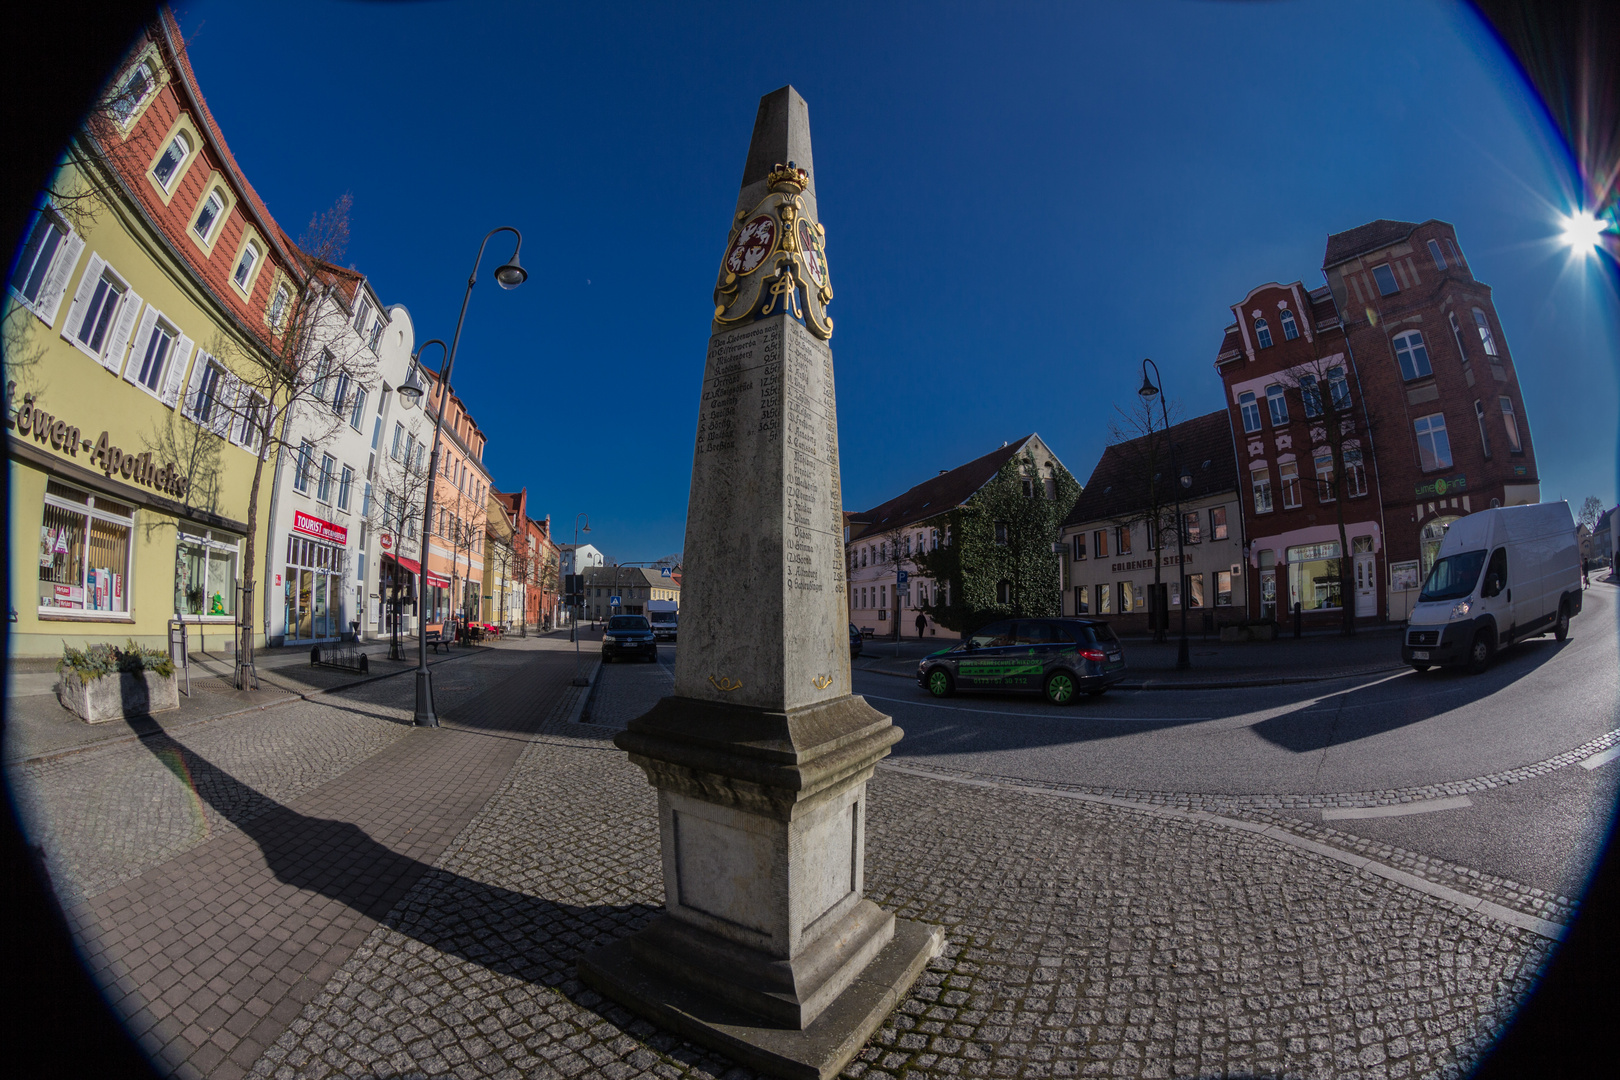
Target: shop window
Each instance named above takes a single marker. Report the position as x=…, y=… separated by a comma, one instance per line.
x=1290, y=328
x=1511, y=423
x=1412, y=355
x=1195, y=590
x=1385, y=277
x=1104, y=604
x=1250, y=408
x=205, y=576
x=1288, y=473
x=1078, y=543
x=1313, y=576
x=1080, y=605
x=1223, y=588
x=1260, y=481
x=84, y=553
x=1217, y=523
x=1434, y=448
x=1262, y=333
x=1127, y=597
x=1278, y=404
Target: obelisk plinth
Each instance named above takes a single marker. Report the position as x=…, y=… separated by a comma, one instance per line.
x=768, y=950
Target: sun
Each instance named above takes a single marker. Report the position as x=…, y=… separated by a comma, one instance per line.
x=1582, y=232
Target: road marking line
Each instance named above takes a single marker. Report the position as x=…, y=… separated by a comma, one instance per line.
x=1054, y=716
x=1597, y=761
x=1420, y=806
x=1541, y=927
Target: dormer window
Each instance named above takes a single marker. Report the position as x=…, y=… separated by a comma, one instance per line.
x=1290, y=328
x=208, y=216
x=1386, y=280
x=168, y=165
x=132, y=94
x=1262, y=333
x=244, y=266
x=278, y=306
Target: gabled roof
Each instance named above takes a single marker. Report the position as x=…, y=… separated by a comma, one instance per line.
x=933, y=497
x=1119, y=485
x=1364, y=238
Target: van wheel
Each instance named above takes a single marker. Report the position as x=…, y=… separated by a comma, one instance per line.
x=1561, y=627
x=1480, y=652
x=1060, y=688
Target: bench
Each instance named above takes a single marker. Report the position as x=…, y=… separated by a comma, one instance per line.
x=436, y=636
x=867, y=631
x=342, y=655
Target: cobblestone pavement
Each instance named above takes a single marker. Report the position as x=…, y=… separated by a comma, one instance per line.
x=1084, y=939
x=621, y=692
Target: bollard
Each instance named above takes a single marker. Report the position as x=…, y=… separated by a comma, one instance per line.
x=1296, y=618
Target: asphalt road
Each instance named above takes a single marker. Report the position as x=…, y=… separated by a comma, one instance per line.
x=1541, y=699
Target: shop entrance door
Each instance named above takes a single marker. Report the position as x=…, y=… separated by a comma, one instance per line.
x=1366, y=583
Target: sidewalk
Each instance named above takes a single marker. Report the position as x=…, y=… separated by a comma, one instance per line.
x=37, y=726
x=1215, y=664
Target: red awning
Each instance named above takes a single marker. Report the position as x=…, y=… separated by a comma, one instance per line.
x=410, y=564
x=436, y=581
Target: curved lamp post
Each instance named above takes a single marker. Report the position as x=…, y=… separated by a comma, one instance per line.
x=1150, y=391
x=508, y=275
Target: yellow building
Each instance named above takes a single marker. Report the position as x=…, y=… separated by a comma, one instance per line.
x=128, y=321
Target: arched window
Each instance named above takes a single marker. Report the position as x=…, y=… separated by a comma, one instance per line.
x=209, y=215
x=1413, y=357
x=132, y=93
x=1262, y=333
x=1278, y=405
x=1429, y=542
x=1290, y=328
x=168, y=165
x=1485, y=336
x=244, y=266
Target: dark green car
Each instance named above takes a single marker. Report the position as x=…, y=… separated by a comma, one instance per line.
x=1057, y=658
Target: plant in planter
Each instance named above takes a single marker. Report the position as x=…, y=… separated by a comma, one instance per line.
x=104, y=682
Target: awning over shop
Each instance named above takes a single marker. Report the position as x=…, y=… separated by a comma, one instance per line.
x=416, y=568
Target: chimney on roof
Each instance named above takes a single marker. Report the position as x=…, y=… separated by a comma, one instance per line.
x=1003, y=443
x=942, y=472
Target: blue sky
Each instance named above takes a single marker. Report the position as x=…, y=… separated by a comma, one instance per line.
x=1022, y=200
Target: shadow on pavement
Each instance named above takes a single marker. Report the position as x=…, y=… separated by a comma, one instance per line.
x=1364, y=713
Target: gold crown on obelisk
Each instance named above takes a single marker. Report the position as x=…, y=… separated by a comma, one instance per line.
x=788, y=177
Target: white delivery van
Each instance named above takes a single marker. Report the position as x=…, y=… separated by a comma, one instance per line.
x=663, y=614
x=1502, y=574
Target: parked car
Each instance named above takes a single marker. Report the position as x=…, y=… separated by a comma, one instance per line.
x=1057, y=658
x=855, y=641
x=1502, y=574
x=629, y=635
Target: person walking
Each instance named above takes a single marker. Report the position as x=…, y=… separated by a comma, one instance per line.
x=922, y=623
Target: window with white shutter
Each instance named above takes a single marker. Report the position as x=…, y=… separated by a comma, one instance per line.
x=48, y=258
x=102, y=315
x=177, y=370
x=154, y=350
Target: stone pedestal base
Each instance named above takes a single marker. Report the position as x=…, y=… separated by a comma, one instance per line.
x=684, y=1004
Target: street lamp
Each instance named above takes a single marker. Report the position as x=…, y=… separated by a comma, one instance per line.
x=579, y=604
x=508, y=276
x=1149, y=391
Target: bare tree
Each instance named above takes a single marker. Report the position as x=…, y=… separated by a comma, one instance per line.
x=293, y=396
x=1144, y=444
x=1591, y=511
x=399, y=486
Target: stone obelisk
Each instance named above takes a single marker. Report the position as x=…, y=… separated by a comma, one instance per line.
x=768, y=950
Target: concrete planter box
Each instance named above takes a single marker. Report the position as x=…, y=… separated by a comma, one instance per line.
x=1252, y=632
x=113, y=697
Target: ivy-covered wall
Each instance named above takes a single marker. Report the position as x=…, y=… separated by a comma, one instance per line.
x=976, y=561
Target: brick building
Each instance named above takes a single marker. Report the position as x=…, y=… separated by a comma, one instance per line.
x=1371, y=412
